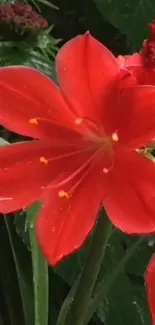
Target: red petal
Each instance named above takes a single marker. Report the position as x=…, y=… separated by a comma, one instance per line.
x=130, y=61
x=22, y=175
x=144, y=76
x=150, y=286
x=25, y=93
x=134, y=118
x=135, y=64
x=27, y=168
x=63, y=224
x=131, y=194
x=51, y=130
x=85, y=71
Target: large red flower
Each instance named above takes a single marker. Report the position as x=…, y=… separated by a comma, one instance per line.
x=142, y=65
x=87, y=132
x=150, y=287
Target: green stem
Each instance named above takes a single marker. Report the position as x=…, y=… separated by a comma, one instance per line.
x=89, y=275
x=106, y=284
x=67, y=303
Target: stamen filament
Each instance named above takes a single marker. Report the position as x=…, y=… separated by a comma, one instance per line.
x=74, y=174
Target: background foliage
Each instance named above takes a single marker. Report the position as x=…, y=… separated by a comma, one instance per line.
x=30, y=292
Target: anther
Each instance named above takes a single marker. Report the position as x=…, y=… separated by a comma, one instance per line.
x=78, y=121
x=43, y=160
x=33, y=121
x=115, y=137
x=63, y=194
x=105, y=170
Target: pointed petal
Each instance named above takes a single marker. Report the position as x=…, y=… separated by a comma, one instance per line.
x=63, y=224
x=134, y=117
x=26, y=93
x=27, y=168
x=150, y=287
x=135, y=64
x=86, y=70
x=130, y=195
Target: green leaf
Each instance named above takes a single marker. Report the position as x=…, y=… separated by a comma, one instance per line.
x=10, y=54
x=130, y=17
x=22, y=261
x=116, y=250
x=10, y=293
x=20, y=222
x=71, y=267
x=40, y=270
x=124, y=305
x=137, y=263
x=47, y=3
x=37, y=4
x=41, y=62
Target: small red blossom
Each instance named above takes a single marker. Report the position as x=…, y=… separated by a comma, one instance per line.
x=148, y=50
x=142, y=65
x=150, y=287
x=87, y=131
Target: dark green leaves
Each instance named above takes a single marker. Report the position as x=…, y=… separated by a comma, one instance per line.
x=10, y=54
x=126, y=295
x=130, y=17
x=22, y=262
x=124, y=304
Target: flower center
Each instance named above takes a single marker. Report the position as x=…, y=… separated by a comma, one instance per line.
x=101, y=141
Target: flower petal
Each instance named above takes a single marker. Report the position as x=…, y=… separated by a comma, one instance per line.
x=52, y=130
x=85, y=71
x=22, y=175
x=26, y=93
x=135, y=64
x=27, y=168
x=63, y=224
x=144, y=76
x=134, y=118
x=130, y=197
x=130, y=61
x=150, y=286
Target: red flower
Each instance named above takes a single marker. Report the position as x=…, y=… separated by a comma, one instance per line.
x=150, y=286
x=142, y=65
x=87, y=132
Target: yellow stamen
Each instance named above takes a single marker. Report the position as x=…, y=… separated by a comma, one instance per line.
x=33, y=121
x=43, y=160
x=115, y=137
x=78, y=121
x=105, y=170
x=63, y=194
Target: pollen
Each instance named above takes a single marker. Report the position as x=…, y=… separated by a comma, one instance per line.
x=43, y=160
x=33, y=121
x=115, y=137
x=78, y=121
x=105, y=170
x=63, y=194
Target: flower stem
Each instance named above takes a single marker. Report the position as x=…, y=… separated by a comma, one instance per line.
x=106, y=284
x=79, y=306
